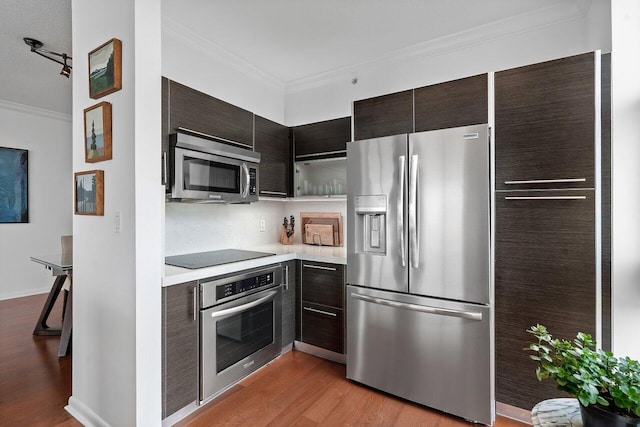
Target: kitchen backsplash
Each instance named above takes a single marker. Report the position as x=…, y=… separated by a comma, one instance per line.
x=206, y=227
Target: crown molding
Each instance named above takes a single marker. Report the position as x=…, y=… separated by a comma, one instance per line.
x=486, y=33
x=21, y=108
x=177, y=31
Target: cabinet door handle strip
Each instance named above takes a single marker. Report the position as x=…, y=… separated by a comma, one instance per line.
x=546, y=181
x=195, y=303
x=165, y=171
x=275, y=193
x=286, y=277
x=420, y=308
x=326, y=313
x=319, y=267
x=325, y=153
x=545, y=197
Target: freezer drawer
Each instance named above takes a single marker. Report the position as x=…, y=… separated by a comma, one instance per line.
x=433, y=352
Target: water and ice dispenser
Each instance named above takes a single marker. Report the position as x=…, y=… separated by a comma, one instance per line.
x=371, y=224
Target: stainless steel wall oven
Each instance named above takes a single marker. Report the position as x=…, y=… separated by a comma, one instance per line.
x=240, y=326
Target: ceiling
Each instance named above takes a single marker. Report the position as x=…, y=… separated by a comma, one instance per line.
x=26, y=78
x=289, y=40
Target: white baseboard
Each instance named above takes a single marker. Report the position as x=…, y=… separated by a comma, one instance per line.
x=25, y=293
x=84, y=414
x=513, y=412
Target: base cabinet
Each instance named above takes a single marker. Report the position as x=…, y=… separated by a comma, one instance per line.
x=320, y=305
x=179, y=347
x=288, y=302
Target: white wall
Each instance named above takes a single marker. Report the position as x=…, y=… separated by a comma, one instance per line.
x=625, y=87
x=47, y=136
x=202, y=227
x=462, y=55
x=116, y=306
x=202, y=65
x=193, y=227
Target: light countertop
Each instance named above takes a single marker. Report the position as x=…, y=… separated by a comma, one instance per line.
x=336, y=255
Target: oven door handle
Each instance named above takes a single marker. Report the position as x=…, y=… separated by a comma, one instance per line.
x=216, y=314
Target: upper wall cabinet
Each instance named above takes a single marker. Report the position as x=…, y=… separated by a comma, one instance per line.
x=456, y=103
x=322, y=139
x=196, y=111
x=383, y=115
x=273, y=144
x=545, y=124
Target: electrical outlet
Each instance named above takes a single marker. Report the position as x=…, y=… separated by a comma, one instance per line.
x=263, y=225
x=116, y=222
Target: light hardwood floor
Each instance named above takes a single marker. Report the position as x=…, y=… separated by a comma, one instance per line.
x=295, y=390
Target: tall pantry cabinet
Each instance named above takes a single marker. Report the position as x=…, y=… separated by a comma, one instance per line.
x=547, y=149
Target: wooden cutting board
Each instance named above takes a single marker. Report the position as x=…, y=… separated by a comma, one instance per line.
x=334, y=220
x=319, y=234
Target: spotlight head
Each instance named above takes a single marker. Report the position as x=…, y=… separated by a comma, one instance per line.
x=66, y=71
x=33, y=43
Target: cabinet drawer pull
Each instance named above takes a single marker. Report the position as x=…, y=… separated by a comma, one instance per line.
x=319, y=267
x=327, y=313
x=545, y=197
x=274, y=193
x=546, y=181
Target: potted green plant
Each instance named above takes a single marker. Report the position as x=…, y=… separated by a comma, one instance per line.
x=607, y=387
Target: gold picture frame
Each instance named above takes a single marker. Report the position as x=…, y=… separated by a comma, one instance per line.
x=105, y=69
x=89, y=193
x=97, y=133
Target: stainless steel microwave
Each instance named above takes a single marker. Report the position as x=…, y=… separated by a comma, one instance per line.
x=202, y=170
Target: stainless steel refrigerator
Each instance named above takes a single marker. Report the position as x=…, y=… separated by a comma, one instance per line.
x=419, y=294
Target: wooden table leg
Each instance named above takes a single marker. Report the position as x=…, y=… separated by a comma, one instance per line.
x=41, y=327
x=67, y=324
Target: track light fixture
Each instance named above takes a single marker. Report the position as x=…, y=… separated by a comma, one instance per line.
x=36, y=47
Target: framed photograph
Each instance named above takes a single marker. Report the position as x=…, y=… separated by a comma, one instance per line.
x=105, y=69
x=14, y=189
x=89, y=193
x=97, y=133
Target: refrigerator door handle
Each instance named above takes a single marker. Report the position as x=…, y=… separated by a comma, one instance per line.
x=414, y=254
x=471, y=315
x=400, y=208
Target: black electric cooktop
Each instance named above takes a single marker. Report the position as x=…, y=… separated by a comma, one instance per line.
x=212, y=258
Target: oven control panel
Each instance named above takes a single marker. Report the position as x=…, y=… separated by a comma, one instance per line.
x=217, y=290
x=227, y=290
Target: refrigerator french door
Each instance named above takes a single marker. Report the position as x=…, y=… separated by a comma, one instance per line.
x=419, y=297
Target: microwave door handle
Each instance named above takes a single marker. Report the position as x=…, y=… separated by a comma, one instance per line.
x=245, y=187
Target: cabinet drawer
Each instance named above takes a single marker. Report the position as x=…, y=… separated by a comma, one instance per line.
x=323, y=283
x=323, y=326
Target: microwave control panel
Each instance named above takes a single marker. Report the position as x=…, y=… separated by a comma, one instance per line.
x=253, y=181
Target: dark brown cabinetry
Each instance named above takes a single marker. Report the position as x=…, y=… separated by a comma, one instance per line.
x=322, y=139
x=179, y=347
x=455, y=103
x=320, y=307
x=545, y=239
x=545, y=273
x=288, y=303
x=273, y=144
x=545, y=124
x=199, y=112
x=383, y=115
